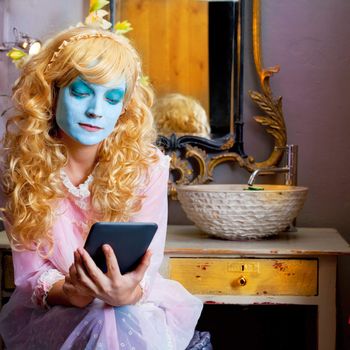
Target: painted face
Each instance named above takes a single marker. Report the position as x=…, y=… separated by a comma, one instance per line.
x=88, y=112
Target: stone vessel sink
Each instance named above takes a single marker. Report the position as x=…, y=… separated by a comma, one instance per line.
x=234, y=212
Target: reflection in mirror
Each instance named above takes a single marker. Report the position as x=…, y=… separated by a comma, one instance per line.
x=187, y=51
x=180, y=114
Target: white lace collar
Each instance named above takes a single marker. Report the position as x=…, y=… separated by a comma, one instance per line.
x=81, y=192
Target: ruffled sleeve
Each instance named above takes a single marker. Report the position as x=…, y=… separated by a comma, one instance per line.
x=155, y=209
x=33, y=274
x=44, y=284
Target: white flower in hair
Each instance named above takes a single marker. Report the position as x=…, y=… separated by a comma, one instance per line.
x=95, y=19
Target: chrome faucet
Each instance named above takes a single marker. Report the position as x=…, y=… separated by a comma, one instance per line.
x=290, y=169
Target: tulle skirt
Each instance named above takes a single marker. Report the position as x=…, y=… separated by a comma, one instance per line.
x=166, y=321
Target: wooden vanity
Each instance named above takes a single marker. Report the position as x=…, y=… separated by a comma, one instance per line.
x=296, y=268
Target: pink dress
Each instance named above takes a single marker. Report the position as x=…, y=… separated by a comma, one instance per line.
x=164, y=319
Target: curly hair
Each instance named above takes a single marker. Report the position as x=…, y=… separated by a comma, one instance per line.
x=34, y=155
x=180, y=114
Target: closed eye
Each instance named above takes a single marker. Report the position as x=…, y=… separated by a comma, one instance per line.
x=79, y=93
x=112, y=101
x=79, y=89
x=114, y=96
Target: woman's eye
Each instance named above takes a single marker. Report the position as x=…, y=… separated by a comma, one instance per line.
x=114, y=96
x=80, y=89
x=112, y=101
x=79, y=93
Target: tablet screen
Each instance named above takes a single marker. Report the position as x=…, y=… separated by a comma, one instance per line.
x=129, y=241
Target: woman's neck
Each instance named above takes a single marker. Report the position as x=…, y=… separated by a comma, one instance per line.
x=82, y=160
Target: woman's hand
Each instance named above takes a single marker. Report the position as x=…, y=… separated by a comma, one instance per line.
x=76, y=296
x=112, y=287
x=63, y=292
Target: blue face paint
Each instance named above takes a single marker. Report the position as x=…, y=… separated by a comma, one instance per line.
x=88, y=112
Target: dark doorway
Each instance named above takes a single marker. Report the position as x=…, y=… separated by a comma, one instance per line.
x=260, y=327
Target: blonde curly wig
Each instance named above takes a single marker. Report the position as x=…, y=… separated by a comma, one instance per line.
x=34, y=154
x=180, y=114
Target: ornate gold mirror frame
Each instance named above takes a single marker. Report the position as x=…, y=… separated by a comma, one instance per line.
x=195, y=157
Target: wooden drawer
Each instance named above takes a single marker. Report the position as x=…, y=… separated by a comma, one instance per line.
x=223, y=276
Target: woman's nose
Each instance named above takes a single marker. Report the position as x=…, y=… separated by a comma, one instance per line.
x=95, y=108
x=93, y=115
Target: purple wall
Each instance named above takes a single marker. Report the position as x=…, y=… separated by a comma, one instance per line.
x=310, y=39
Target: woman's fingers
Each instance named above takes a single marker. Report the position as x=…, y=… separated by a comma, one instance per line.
x=95, y=274
x=113, y=270
x=72, y=274
x=112, y=287
x=82, y=277
x=72, y=270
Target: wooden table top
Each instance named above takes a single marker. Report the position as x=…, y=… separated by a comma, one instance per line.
x=305, y=241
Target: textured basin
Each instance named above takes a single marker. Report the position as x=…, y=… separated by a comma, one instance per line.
x=231, y=212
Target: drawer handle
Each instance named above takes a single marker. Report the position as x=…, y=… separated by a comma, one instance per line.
x=242, y=281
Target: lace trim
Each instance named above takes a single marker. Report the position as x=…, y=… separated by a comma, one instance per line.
x=45, y=282
x=144, y=285
x=81, y=193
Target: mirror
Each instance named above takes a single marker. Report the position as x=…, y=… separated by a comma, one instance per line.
x=187, y=48
x=192, y=53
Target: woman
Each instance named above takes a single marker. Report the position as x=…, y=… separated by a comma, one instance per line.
x=80, y=150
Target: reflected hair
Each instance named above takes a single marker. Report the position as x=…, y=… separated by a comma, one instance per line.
x=180, y=114
x=34, y=153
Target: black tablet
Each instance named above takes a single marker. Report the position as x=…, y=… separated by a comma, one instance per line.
x=129, y=241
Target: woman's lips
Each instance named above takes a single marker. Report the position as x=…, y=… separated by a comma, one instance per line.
x=88, y=127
